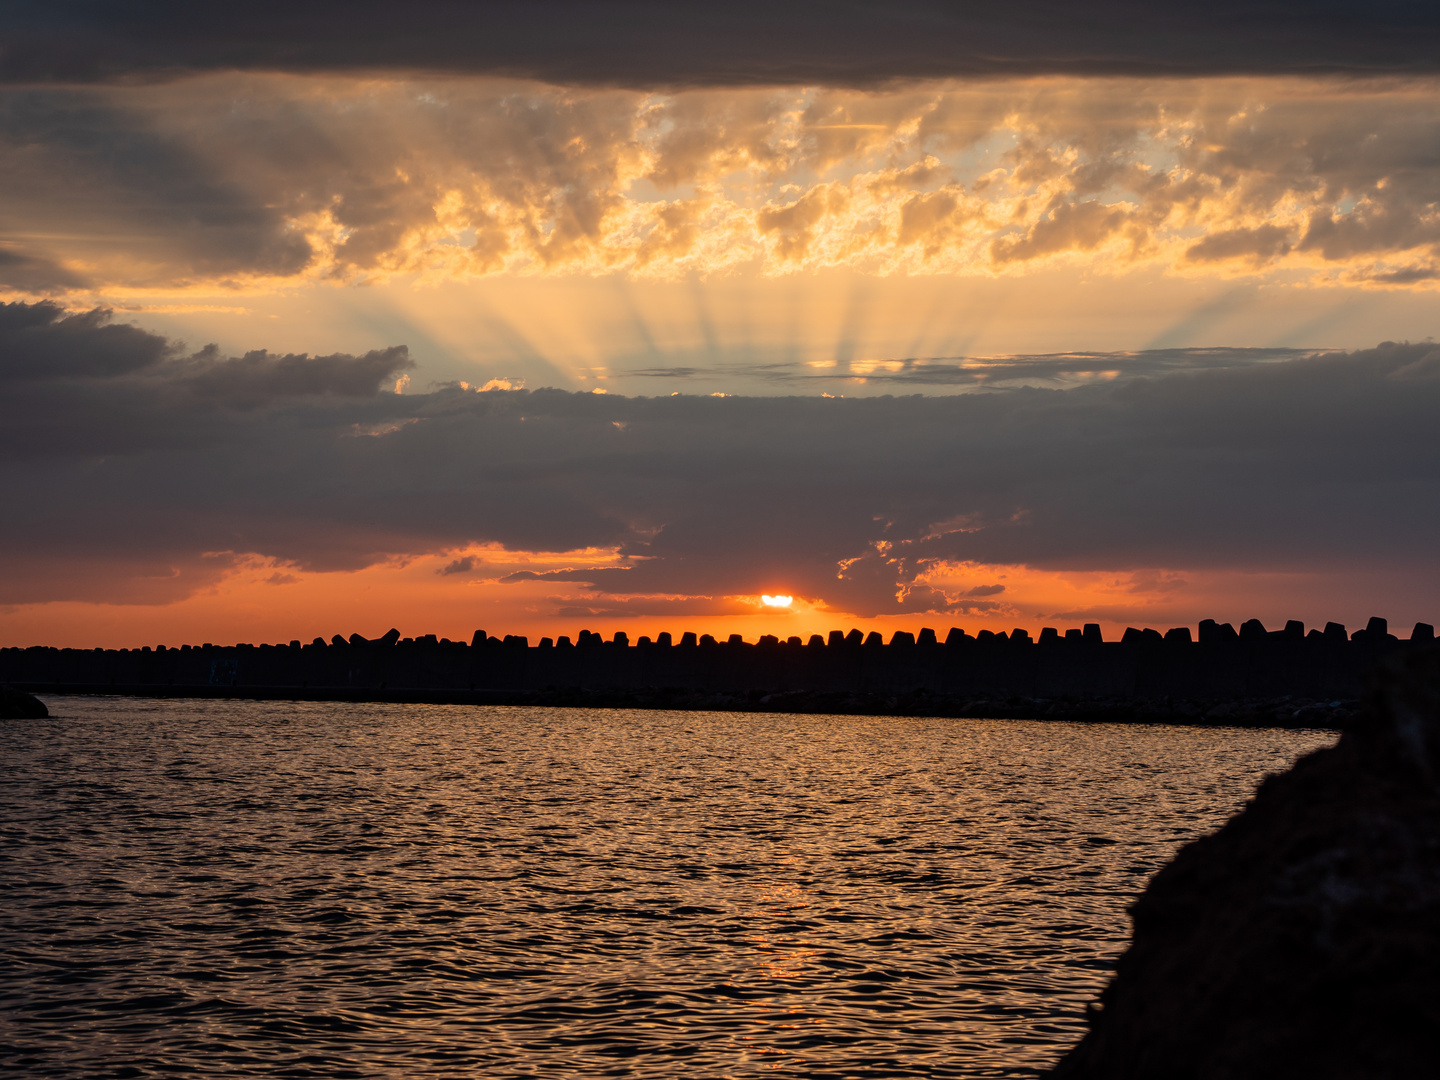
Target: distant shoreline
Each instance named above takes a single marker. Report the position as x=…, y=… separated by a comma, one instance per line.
x=1282, y=712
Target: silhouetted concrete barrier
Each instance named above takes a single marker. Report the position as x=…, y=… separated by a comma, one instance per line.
x=1303, y=938
x=1222, y=677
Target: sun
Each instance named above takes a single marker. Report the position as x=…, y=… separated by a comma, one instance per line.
x=777, y=601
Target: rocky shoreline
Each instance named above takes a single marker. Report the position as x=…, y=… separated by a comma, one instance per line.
x=1302, y=938
x=19, y=705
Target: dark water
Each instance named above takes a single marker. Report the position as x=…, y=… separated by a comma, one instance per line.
x=243, y=889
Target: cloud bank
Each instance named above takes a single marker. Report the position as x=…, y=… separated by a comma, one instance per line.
x=139, y=471
x=266, y=182
x=652, y=43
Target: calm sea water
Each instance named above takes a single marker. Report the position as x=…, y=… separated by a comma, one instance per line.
x=243, y=888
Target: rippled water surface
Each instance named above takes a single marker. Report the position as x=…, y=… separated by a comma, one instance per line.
x=257, y=888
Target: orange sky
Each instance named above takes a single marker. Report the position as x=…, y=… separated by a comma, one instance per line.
x=262, y=603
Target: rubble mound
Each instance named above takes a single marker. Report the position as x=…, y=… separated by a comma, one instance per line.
x=18, y=705
x=1302, y=938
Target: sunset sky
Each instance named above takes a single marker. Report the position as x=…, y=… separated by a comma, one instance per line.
x=329, y=317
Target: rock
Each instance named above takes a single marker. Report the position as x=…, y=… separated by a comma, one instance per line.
x=1213, y=633
x=1253, y=630
x=18, y=705
x=1376, y=631
x=1303, y=938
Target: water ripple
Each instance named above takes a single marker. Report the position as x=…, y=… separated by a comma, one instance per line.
x=231, y=888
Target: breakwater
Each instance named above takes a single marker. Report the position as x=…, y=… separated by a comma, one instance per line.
x=1220, y=675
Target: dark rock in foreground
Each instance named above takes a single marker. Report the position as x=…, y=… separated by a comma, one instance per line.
x=18, y=705
x=1303, y=938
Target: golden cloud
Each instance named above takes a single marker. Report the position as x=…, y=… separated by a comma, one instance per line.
x=265, y=181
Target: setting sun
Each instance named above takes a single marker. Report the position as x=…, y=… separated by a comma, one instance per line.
x=777, y=601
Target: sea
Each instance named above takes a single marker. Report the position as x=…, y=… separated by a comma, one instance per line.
x=239, y=888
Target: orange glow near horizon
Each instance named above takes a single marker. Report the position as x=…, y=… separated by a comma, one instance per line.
x=259, y=602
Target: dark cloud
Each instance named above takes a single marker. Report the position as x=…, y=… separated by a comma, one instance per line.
x=124, y=414
x=28, y=273
x=464, y=565
x=650, y=42
x=77, y=165
x=124, y=483
x=1257, y=246
x=42, y=341
x=985, y=590
x=1409, y=276
x=258, y=378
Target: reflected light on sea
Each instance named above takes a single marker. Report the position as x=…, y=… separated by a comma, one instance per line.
x=228, y=888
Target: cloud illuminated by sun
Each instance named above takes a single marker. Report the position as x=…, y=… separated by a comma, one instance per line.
x=777, y=601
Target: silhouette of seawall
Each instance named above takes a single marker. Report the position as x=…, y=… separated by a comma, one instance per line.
x=1078, y=665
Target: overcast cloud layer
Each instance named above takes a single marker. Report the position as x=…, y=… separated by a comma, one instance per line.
x=651, y=42
x=136, y=470
x=266, y=182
